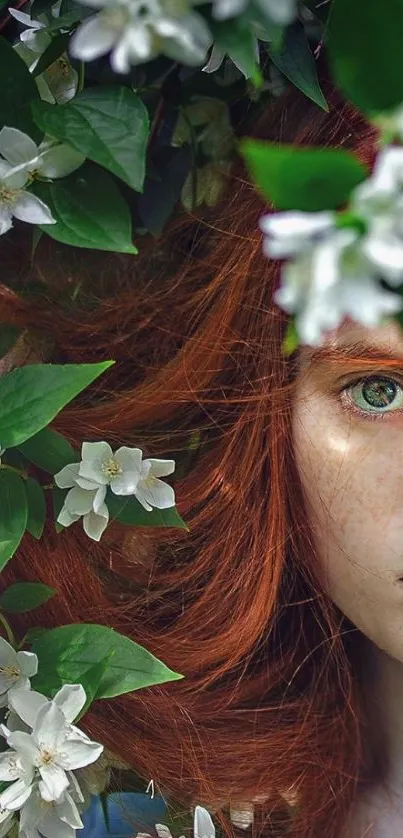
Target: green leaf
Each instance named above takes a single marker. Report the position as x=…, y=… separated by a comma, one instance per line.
x=235, y=37
x=36, y=507
x=8, y=338
x=25, y=596
x=130, y=511
x=56, y=48
x=302, y=178
x=18, y=91
x=296, y=61
x=49, y=450
x=68, y=654
x=291, y=339
x=109, y=125
x=30, y=397
x=365, y=51
x=14, y=514
x=89, y=211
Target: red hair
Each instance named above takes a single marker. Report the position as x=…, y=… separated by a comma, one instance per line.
x=269, y=704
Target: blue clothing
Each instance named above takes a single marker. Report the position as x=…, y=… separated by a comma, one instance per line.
x=128, y=813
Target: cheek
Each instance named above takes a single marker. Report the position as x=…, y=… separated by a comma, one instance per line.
x=352, y=476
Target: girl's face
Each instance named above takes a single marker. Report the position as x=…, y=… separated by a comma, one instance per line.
x=348, y=439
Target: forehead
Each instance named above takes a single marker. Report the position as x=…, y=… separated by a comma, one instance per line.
x=354, y=340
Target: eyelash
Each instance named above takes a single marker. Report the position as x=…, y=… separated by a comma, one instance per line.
x=368, y=416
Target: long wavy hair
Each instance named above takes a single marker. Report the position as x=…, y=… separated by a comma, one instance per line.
x=269, y=706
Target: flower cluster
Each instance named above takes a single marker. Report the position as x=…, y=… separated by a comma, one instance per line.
x=333, y=270
x=21, y=161
x=124, y=472
x=45, y=749
x=135, y=31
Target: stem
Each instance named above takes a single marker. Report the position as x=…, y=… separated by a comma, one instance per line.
x=81, y=76
x=10, y=634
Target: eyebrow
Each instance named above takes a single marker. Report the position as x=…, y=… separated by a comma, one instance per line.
x=359, y=350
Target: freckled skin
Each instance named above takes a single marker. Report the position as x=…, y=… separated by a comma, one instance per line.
x=352, y=474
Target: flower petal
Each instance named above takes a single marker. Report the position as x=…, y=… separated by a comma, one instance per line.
x=25, y=19
x=155, y=493
x=50, y=726
x=9, y=767
x=67, y=477
x=28, y=663
x=65, y=518
x=160, y=468
x=6, y=222
x=16, y=147
x=54, y=781
x=94, y=525
x=95, y=37
x=78, y=752
x=71, y=699
x=99, y=507
x=26, y=703
x=203, y=825
x=25, y=746
x=31, y=209
x=60, y=161
x=79, y=501
x=93, y=455
x=8, y=655
x=15, y=795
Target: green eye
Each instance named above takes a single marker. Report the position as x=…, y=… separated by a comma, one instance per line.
x=376, y=393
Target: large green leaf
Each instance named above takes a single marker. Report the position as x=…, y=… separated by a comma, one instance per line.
x=25, y=596
x=302, y=178
x=365, y=50
x=49, y=450
x=18, y=90
x=296, y=61
x=108, y=124
x=30, y=397
x=69, y=654
x=89, y=211
x=130, y=511
x=14, y=513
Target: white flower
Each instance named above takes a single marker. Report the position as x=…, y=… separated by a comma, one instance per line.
x=17, y=202
x=152, y=492
x=49, y=159
x=328, y=277
x=280, y=12
x=121, y=470
x=135, y=31
x=16, y=668
x=52, y=750
x=379, y=200
x=86, y=500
